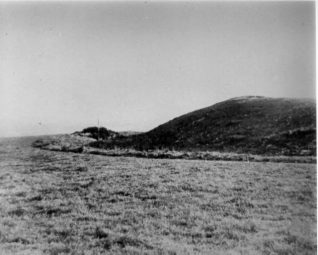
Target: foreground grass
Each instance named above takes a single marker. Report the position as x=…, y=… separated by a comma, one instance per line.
x=67, y=203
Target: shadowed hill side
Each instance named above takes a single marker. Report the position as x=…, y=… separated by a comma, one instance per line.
x=258, y=125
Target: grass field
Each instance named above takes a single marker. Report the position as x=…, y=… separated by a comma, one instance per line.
x=67, y=203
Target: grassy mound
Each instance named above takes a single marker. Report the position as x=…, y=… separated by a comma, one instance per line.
x=256, y=125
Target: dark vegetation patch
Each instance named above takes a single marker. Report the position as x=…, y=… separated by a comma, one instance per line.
x=17, y=212
x=98, y=133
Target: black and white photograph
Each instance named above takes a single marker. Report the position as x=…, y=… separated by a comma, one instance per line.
x=158, y=127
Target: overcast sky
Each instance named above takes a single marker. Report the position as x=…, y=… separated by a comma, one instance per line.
x=136, y=65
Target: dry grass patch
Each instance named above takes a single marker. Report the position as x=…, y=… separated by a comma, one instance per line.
x=67, y=203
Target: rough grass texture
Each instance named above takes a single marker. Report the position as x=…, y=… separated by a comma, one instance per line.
x=68, y=203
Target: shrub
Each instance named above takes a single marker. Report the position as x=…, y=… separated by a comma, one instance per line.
x=97, y=133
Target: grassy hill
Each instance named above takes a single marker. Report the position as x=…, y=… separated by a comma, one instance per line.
x=251, y=124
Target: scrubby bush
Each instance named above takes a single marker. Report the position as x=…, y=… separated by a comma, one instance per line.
x=97, y=132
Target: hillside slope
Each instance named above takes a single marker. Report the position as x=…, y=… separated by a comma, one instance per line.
x=259, y=125
x=245, y=124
